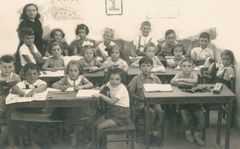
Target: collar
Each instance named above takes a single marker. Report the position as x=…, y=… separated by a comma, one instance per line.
x=146, y=77
x=74, y=82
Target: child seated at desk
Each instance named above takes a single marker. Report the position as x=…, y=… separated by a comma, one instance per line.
x=115, y=96
x=150, y=50
x=142, y=40
x=27, y=88
x=190, y=111
x=7, y=80
x=56, y=62
x=202, y=53
x=73, y=80
x=76, y=46
x=166, y=48
x=136, y=92
x=114, y=59
x=178, y=53
x=89, y=62
x=57, y=35
x=108, y=37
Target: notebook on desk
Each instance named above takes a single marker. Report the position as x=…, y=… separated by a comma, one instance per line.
x=87, y=93
x=157, y=87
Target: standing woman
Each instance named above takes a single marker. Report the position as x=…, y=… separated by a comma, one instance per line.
x=30, y=18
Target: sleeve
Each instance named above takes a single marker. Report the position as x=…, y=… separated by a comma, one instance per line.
x=173, y=81
x=229, y=74
x=159, y=63
x=125, y=66
x=212, y=53
x=193, y=55
x=21, y=85
x=23, y=51
x=85, y=81
x=61, y=82
x=35, y=49
x=132, y=85
x=135, y=41
x=98, y=63
x=122, y=94
x=41, y=82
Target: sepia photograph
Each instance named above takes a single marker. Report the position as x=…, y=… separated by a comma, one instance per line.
x=119, y=74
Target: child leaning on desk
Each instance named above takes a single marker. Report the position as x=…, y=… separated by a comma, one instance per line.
x=73, y=80
x=56, y=62
x=7, y=79
x=136, y=92
x=116, y=98
x=27, y=88
x=190, y=111
x=178, y=53
x=150, y=50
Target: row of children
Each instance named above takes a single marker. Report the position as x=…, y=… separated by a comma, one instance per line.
x=116, y=90
x=32, y=46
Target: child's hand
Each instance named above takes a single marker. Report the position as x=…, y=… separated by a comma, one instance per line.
x=76, y=88
x=98, y=95
x=30, y=94
x=21, y=93
x=63, y=88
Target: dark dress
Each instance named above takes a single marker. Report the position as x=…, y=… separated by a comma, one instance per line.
x=38, y=31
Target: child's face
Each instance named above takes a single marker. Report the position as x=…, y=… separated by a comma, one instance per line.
x=82, y=33
x=146, y=68
x=203, y=42
x=73, y=72
x=6, y=68
x=145, y=30
x=170, y=39
x=29, y=40
x=57, y=36
x=178, y=52
x=31, y=76
x=186, y=67
x=88, y=54
x=115, y=80
x=108, y=37
x=226, y=60
x=150, y=51
x=56, y=51
x=115, y=54
x=31, y=12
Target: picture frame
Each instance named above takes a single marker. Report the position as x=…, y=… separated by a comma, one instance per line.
x=114, y=7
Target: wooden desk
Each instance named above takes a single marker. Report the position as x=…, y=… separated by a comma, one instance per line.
x=56, y=99
x=178, y=97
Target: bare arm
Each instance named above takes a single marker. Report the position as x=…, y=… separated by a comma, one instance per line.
x=18, y=90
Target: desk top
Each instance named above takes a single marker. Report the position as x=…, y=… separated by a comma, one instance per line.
x=178, y=93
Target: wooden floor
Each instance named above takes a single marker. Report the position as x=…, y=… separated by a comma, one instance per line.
x=171, y=142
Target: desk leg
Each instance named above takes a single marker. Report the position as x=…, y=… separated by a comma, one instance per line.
x=147, y=124
x=93, y=130
x=228, y=127
x=219, y=125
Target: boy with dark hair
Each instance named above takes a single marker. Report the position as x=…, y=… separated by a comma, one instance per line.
x=136, y=92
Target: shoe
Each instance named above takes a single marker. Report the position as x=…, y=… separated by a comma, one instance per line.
x=198, y=139
x=188, y=136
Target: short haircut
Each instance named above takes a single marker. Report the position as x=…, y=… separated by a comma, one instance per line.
x=204, y=35
x=108, y=30
x=6, y=59
x=170, y=31
x=54, y=44
x=73, y=62
x=116, y=70
x=109, y=49
x=26, y=31
x=145, y=60
x=179, y=45
x=85, y=48
x=147, y=23
x=57, y=30
x=187, y=59
x=30, y=66
x=150, y=44
x=82, y=26
x=229, y=53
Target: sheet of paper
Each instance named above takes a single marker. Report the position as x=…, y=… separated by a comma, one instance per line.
x=70, y=89
x=158, y=69
x=59, y=73
x=87, y=93
x=157, y=87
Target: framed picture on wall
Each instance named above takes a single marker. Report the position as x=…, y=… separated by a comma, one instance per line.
x=114, y=7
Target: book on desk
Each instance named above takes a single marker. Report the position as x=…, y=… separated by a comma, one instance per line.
x=157, y=87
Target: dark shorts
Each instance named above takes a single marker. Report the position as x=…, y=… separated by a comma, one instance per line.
x=118, y=114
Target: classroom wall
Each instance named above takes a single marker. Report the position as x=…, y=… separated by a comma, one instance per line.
x=193, y=17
